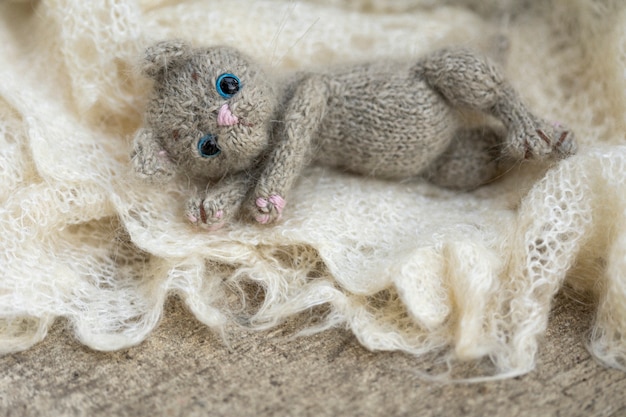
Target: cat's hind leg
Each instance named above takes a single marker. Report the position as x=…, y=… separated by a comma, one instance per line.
x=467, y=80
x=473, y=159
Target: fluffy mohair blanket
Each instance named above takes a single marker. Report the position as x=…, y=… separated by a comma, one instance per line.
x=404, y=265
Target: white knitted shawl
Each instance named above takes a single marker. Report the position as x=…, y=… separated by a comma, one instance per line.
x=406, y=266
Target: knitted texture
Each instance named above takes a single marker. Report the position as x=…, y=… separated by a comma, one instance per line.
x=405, y=265
x=389, y=121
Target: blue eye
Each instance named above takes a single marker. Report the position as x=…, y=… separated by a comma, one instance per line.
x=227, y=85
x=207, y=146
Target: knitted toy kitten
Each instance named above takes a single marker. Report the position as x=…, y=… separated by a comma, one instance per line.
x=216, y=119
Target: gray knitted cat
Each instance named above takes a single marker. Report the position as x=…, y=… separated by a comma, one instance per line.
x=216, y=119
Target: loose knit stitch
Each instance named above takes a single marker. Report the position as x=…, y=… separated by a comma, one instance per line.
x=404, y=264
x=394, y=121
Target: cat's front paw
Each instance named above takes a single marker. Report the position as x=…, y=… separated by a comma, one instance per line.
x=205, y=213
x=268, y=209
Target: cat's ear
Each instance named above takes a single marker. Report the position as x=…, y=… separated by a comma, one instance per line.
x=164, y=55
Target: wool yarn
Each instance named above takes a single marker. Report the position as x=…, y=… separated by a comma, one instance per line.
x=404, y=265
x=389, y=120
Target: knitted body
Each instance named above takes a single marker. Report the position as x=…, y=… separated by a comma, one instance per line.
x=215, y=118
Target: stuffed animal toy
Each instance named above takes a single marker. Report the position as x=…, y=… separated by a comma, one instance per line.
x=216, y=120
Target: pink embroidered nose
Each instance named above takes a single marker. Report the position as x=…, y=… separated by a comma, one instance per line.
x=225, y=117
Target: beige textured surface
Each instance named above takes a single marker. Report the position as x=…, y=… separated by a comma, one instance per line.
x=473, y=274
x=184, y=370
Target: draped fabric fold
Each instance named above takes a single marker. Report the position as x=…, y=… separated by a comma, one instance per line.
x=405, y=265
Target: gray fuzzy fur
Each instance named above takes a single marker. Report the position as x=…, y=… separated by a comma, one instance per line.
x=389, y=120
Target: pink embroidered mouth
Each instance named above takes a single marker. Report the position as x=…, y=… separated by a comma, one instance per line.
x=225, y=117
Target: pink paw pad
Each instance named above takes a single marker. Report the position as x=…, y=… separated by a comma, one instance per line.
x=262, y=218
x=263, y=204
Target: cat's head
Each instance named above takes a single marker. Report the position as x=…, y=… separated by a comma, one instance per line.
x=211, y=107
